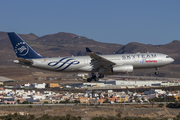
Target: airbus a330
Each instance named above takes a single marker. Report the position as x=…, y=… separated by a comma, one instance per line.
x=97, y=65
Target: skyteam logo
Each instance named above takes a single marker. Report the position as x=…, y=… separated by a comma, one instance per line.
x=21, y=48
x=63, y=63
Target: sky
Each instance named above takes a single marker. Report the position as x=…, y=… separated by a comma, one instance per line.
x=155, y=22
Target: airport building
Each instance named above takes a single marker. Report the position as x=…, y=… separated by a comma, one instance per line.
x=123, y=83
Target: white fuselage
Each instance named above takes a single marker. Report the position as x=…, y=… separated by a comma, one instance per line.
x=83, y=63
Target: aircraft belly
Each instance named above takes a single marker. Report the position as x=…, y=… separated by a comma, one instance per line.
x=87, y=68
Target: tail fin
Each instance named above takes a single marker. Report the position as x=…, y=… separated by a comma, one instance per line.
x=21, y=48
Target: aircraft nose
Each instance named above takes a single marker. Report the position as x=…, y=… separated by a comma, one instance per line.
x=171, y=60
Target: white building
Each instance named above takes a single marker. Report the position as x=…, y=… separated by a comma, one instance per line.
x=38, y=86
x=82, y=74
x=138, y=83
x=27, y=85
x=95, y=84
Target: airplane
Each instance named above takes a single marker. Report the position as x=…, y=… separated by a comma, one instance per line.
x=97, y=65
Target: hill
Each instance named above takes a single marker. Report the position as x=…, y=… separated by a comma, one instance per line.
x=68, y=44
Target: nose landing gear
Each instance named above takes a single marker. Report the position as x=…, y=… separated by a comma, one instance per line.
x=156, y=73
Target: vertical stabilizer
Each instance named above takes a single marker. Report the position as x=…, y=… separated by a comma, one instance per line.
x=21, y=48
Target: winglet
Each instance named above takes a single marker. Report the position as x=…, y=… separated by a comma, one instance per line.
x=88, y=50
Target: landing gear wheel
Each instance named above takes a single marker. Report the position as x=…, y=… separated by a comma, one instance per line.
x=156, y=73
x=89, y=79
x=96, y=79
x=101, y=76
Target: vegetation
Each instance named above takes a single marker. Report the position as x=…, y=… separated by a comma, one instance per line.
x=18, y=101
x=76, y=101
x=106, y=101
x=70, y=117
x=125, y=118
x=45, y=102
x=64, y=102
x=137, y=107
x=30, y=106
x=173, y=105
x=178, y=116
x=162, y=99
x=44, y=117
x=26, y=102
x=161, y=105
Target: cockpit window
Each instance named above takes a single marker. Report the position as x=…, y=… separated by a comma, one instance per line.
x=167, y=57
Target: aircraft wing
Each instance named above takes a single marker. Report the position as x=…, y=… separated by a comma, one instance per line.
x=98, y=61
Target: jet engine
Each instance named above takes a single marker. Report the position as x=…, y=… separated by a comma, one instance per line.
x=122, y=68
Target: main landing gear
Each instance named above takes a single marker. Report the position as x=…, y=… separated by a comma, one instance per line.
x=94, y=77
x=156, y=73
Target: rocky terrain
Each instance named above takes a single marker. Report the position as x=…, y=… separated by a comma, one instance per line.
x=88, y=112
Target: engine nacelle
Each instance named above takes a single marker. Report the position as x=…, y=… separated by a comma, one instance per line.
x=122, y=68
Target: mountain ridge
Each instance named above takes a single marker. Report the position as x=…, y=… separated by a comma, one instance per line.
x=68, y=44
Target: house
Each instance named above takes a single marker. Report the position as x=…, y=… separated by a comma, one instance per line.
x=43, y=101
x=84, y=100
x=92, y=101
x=111, y=99
x=8, y=98
x=177, y=97
x=9, y=102
x=53, y=85
x=1, y=83
x=27, y=85
x=152, y=91
x=65, y=97
x=123, y=98
x=101, y=100
x=20, y=100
